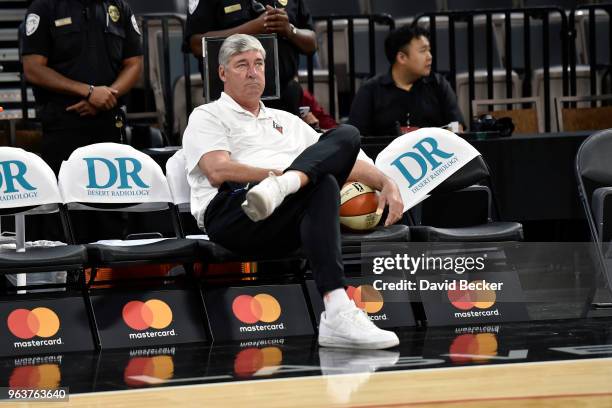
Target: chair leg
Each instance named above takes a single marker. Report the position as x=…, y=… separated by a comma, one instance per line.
x=92, y=277
x=191, y=279
x=4, y=285
x=73, y=279
x=302, y=281
x=84, y=286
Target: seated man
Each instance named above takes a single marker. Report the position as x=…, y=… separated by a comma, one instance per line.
x=409, y=94
x=263, y=181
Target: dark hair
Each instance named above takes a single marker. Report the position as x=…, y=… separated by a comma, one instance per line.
x=399, y=38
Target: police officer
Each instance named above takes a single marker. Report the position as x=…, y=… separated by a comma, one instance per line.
x=289, y=19
x=81, y=56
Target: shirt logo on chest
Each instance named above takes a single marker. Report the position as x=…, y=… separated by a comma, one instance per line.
x=277, y=126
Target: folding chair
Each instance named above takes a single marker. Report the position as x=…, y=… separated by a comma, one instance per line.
x=594, y=177
x=29, y=187
x=467, y=179
x=115, y=177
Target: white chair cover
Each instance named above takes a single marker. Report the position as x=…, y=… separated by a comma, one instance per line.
x=26, y=180
x=421, y=160
x=111, y=173
x=176, y=174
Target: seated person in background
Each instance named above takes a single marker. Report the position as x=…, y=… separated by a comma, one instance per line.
x=264, y=182
x=316, y=117
x=289, y=20
x=409, y=94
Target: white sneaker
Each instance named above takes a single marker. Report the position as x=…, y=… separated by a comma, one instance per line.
x=351, y=328
x=264, y=198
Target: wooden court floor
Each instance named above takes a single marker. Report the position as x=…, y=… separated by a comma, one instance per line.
x=573, y=383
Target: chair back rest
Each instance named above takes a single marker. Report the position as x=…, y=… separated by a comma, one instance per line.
x=422, y=160
x=475, y=171
x=593, y=172
x=588, y=117
x=27, y=183
x=526, y=120
x=593, y=160
x=176, y=174
x=113, y=176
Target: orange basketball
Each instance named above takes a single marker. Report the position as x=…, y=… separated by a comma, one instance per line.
x=358, y=204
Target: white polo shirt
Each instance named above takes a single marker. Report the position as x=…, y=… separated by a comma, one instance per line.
x=271, y=140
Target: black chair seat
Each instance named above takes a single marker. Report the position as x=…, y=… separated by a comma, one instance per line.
x=491, y=232
x=392, y=233
x=167, y=250
x=351, y=242
x=44, y=257
x=212, y=252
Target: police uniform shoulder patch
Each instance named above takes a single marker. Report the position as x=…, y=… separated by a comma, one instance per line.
x=135, y=24
x=32, y=22
x=283, y=2
x=113, y=13
x=193, y=5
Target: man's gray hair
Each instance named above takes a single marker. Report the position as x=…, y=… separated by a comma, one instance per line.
x=237, y=44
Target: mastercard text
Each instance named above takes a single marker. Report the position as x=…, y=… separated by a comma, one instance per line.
x=38, y=343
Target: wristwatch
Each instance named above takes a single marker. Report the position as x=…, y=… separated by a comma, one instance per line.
x=293, y=29
x=89, y=92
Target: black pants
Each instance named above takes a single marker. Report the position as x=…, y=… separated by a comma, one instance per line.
x=308, y=218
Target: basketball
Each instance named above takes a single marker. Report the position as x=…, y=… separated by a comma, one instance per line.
x=358, y=204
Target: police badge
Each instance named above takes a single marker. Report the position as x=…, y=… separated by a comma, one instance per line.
x=113, y=13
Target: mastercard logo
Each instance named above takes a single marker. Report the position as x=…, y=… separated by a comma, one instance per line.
x=159, y=367
x=468, y=299
x=481, y=345
x=25, y=324
x=43, y=376
x=250, y=360
x=153, y=313
x=366, y=298
x=259, y=308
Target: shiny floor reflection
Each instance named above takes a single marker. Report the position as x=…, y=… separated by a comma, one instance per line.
x=420, y=348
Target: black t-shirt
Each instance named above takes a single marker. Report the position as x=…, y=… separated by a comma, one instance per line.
x=215, y=15
x=379, y=105
x=84, y=40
